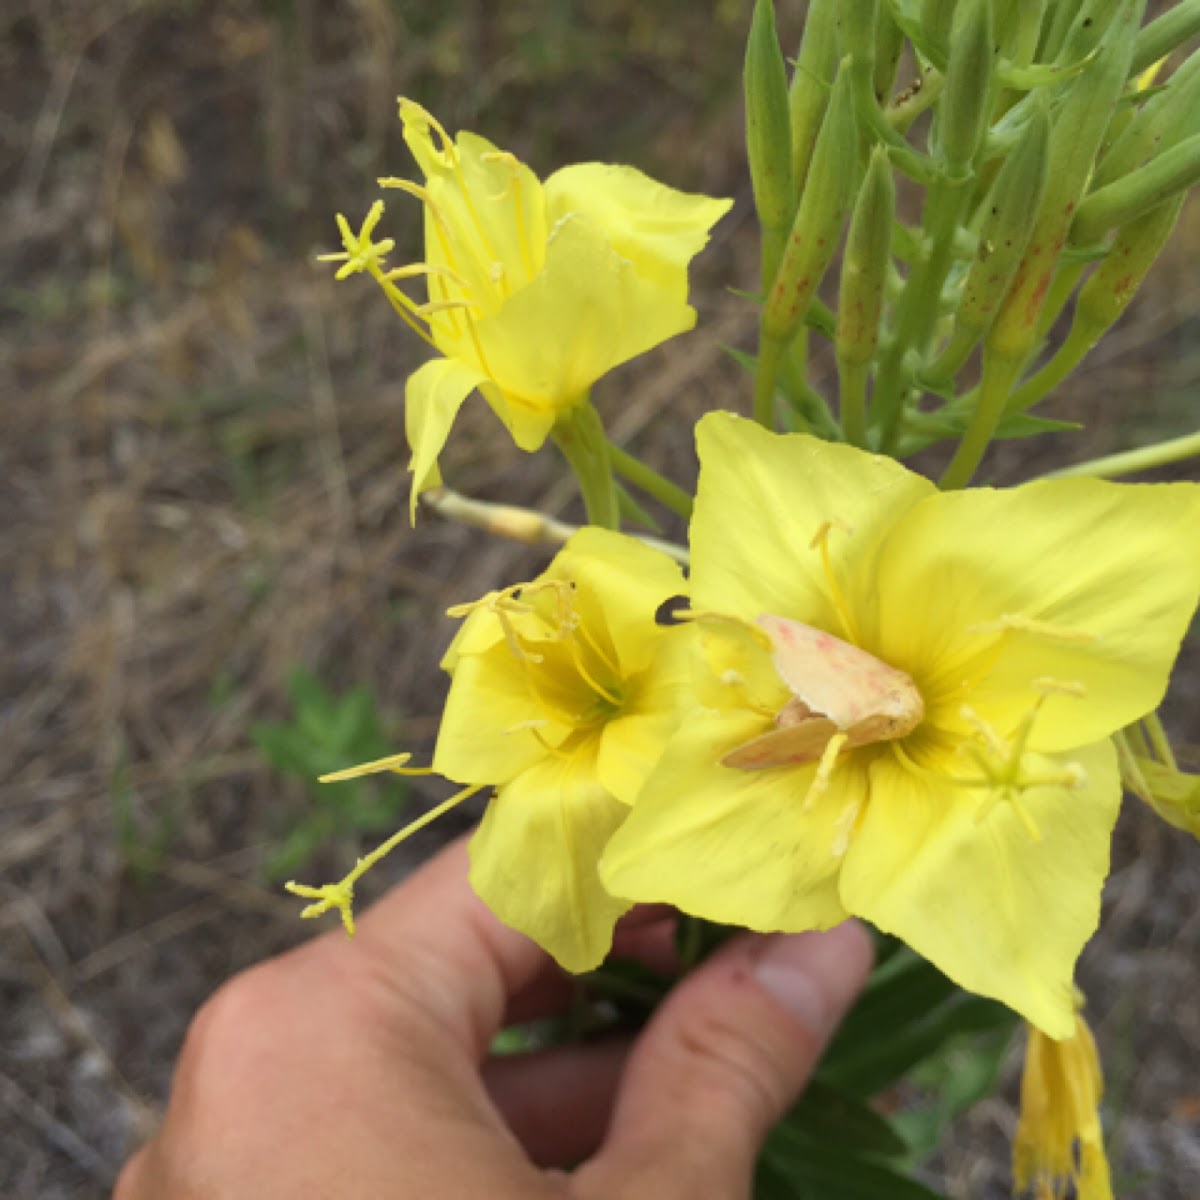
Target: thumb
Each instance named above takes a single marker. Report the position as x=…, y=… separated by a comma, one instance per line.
x=722, y=1060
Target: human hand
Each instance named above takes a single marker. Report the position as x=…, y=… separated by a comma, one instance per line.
x=359, y=1068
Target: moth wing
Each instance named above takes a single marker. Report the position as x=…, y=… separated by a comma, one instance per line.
x=799, y=743
x=832, y=677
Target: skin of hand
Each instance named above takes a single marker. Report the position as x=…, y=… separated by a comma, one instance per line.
x=359, y=1068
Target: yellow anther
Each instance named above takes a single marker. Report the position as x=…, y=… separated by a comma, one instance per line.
x=1059, y=687
x=422, y=194
x=820, y=541
x=1016, y=623
x=417, y=270
x=433, y=307
x=820, y=781
x=843, y=827
x=995, y=743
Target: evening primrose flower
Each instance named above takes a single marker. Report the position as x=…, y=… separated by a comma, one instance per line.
x=564, y=692
x=1058, y=1150
x=905, y=706
x=536, y=289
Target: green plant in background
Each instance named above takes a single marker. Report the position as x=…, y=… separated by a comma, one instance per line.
x=327, y=732
x=874, y=693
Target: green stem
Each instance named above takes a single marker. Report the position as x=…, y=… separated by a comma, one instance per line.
x=918, y=304
x=999, y=375
x=852, y=390
x=1068, y=356
x=1158, y=739
x=668, y=494
x=770, y=353
x=579, y=434
x=1129, y=461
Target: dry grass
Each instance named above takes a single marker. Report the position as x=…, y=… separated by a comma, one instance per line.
x=202, y=485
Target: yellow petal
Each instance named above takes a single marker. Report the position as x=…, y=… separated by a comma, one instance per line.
x=762, y=499
x=493, y=727
x=659, y=229
x=585, y=313
x=734, y=846
x=620, y=582
x=432, y=397
x=485, y=219
x=533, y=860
x=632, y=743
x=1096, y=581
x=1001, y=914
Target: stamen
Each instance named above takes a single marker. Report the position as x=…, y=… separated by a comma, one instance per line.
x=820, y=781
x=1016, y=623
x=843, y=827
x=340, y=895
x=416, y=270
x=394, y=763
x=514, y=189
x=837, y=596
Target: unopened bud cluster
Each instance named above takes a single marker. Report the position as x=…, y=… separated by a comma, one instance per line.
x=1052, y=146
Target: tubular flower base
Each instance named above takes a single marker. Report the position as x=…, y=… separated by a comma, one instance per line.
x=1059, y=1147
x=536, y=289
x=906, y=705
x=564, y=692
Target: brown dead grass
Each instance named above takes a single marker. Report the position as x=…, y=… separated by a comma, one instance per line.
x=202, y=484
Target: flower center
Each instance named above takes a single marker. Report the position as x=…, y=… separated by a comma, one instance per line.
x=571, y=677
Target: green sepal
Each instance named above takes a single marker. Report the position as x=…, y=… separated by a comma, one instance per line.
x=631, y=510
x=812, y=81
x=963, y=109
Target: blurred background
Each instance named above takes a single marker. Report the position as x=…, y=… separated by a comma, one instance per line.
x=209, y=588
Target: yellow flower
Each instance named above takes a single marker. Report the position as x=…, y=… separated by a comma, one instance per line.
x=536, y=289
x=564, y=692
x=941, y=763
x=1059, y=1147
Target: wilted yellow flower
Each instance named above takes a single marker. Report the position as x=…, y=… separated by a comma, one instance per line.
x=907, y=702
x=1059, y=1147
x=564, y=692
x=536, y=289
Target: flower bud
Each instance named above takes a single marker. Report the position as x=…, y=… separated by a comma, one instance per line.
x=937, y=20
x=818, y=224
x=1107, y=293
x=889, y=42
x=768, y=133
x=1172, y=172
x=1177, y=25
x=1075, y=136
x=1165, y=119
x=1091, y=24
x=816, y=66
x=865, y=263
x=963, y=111
x=1009, y=214
x=856, y=30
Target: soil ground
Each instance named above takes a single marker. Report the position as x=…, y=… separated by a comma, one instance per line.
x=202, y=486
